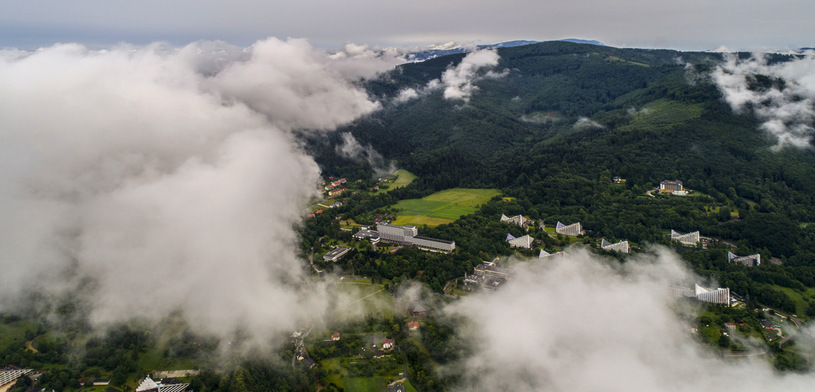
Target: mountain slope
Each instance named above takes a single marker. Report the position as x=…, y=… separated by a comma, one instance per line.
x=566, y=117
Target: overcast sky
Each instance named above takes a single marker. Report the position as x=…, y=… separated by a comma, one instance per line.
x=685, y=25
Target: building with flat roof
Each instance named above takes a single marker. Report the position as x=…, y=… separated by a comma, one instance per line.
x=719, y=295
x=621, y=246
x=408, y=235
x=335, y=254
x=9, y=376
x=517, y=220
x=573, y=230
x=668, y=186
x=520, y=242
x=749, y=261
x=544, y=255
x=689, y=239
x=396, y=234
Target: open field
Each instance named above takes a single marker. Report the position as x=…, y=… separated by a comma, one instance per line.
x=370, y=298
x=155, y=359
x=801, y=300
x=409, y=387
x=442, y=207
x=365, y=384
x=11, y=332
x=403, y=179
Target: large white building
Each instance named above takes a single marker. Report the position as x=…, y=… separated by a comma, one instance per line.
x=408, y=235
x=517, y=220
x=9, y=376
x=335, y=254
x=621, y=246
x=573, y=230
x=719, y=295
x=716, y=296
x=544, y=255
x=689, y=239
x=166, y=385
x=397, y=234
x=750, y=261
x=520, y=242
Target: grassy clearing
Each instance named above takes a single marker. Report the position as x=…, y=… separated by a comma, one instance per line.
x=421, y=220
x=409, y=387
x=154, y=359
x=349, y=223
x=541, y=117
x=442, y=207
x=370, y=298
x=553, y=233
x=663, y=113
x=365, y=384
x=403, y=179
x=801, y=300
x=11, y=332
x=617, y=59
x=337, y=378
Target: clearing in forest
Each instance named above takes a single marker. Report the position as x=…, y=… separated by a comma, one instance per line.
x=442, y=207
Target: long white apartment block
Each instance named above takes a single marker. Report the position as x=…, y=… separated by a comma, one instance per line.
x=621, y=246
x=573, y=230
x=689, y=239
x=408, y=235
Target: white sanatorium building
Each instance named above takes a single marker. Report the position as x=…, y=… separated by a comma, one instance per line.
x=148, y=385
x=9, y=376
x=690, y=239
x=719, y=296
x=408, y=235
x=517, y=220
x=520, y=242
x=572, y=230
x=750, y=261
x=621, y=246
x=544, y=255
x=336, y=254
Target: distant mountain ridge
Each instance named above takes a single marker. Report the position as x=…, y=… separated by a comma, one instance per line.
x=454, y=48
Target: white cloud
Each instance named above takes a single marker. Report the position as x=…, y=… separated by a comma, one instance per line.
x=586, y=123
x=350, y=148
x=458, y=81
x=362, y=61
x=167, y=176
x=406, y=95
x=588, y=324
x=788, y=110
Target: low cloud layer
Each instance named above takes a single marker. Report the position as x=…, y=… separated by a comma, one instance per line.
x=457, y=83
x=587, y=123
x=350, y=148
x=588, y=324
x=167, y=177
x=782, y=95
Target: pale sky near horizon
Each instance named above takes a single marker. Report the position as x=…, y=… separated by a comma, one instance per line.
x=685, y=25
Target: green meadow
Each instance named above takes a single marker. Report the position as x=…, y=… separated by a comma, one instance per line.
x=442, y=207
